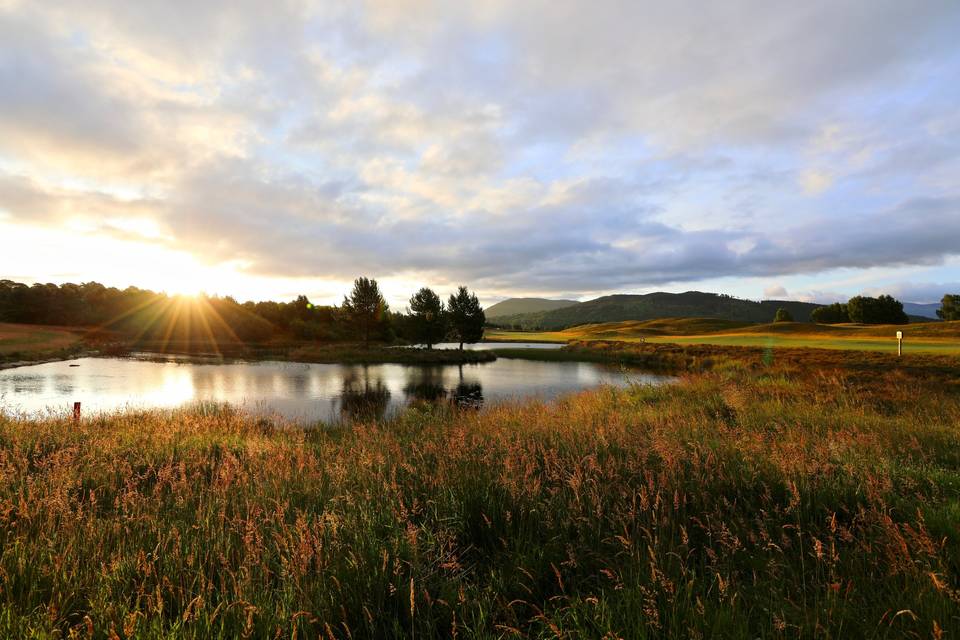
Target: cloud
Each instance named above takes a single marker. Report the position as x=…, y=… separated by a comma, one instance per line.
x=775, y=292
x=816, y=181
x=820, y=296
x=530, y=147
x=922, y=292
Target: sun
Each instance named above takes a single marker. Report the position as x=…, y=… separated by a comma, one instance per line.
x=189, y=277
x=186, y=289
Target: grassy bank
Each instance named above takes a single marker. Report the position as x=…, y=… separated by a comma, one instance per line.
x=357, y=354
x=24, y=343
x=942, y=370
x=769, y=501
x=20, y=343
x=932, y=337
x=332, y=353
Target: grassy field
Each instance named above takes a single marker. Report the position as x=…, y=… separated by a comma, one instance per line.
x=20, y=337
x=773, y=500
x=933, y=337
x=19, y=342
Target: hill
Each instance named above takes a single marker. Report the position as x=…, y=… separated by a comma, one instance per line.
x=517, y=306
x=691, y=304
x=922, y=310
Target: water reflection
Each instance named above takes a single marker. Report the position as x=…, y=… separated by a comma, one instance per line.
x=468, y=395
x=326, y=392
x=63, y=384
x=425, y=384
x=363, y=398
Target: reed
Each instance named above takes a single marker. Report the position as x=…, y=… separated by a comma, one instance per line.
x=737, y=503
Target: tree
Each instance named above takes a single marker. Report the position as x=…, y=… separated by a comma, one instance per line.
x=365, y=306
x=949, y=307
x=466, y=316
x=835, y=313
x=783, y=315
x=882, y=310
x=429, y=318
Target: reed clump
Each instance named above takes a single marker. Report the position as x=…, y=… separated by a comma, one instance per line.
x=733, y=504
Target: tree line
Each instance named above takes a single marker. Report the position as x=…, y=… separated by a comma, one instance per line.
x=364, y=315
x=862, y=310
x=429, y=320
x=149, y=316
x=140, y=313
x=880, y=310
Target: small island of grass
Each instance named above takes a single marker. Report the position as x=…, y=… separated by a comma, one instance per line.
x=358, y=354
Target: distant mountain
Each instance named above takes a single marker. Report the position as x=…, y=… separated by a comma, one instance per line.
x=923, y=310
x=517, y=306
x=692, y=304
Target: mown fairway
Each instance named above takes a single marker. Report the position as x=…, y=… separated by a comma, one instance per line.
x=934, y=337
x=28, y=338
x=750, y=501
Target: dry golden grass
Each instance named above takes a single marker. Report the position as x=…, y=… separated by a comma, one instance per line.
x=772, y=501
x=931, y=337
x=27, y=338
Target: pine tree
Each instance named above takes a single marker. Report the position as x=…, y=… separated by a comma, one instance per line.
x=429, y=316
x=466, y=316
x=365, y=306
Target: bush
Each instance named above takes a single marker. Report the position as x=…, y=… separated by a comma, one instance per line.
x=783, y=316
x=835, y=313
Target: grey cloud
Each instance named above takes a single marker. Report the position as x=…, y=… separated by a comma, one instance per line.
x=27, y=201
x=536, y=146
x=47, y=96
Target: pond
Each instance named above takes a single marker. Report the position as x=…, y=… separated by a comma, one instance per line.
x=294, y=390
x=487, y=346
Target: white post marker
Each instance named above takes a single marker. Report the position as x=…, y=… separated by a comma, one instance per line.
x=899, y=343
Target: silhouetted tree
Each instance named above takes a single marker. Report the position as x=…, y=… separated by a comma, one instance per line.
x=949, y=307
x=429, y=318
x=365, y=306
x=466, y=316
x=835, y=313
x=783, y=316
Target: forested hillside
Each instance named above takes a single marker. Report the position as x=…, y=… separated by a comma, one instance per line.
x=516, y=306
x=692, y=304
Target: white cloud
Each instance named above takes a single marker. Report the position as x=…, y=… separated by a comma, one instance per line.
x=816, y=181
x=535, y=147
x=775, y=292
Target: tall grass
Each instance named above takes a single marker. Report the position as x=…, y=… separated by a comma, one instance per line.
x=733, y=504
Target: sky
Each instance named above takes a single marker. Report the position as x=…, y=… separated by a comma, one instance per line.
x=804, y=150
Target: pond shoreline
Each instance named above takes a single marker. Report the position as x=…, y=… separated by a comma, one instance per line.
x=302, y=391
x=305, y=354
x=44, y=358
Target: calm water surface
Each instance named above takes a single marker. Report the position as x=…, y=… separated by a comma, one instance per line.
x=294, y=390
x=486, y=346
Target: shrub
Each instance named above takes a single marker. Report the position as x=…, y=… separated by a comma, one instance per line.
x=835, y=313
x=783, y=315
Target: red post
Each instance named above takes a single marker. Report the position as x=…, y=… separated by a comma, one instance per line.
x=76, y=411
